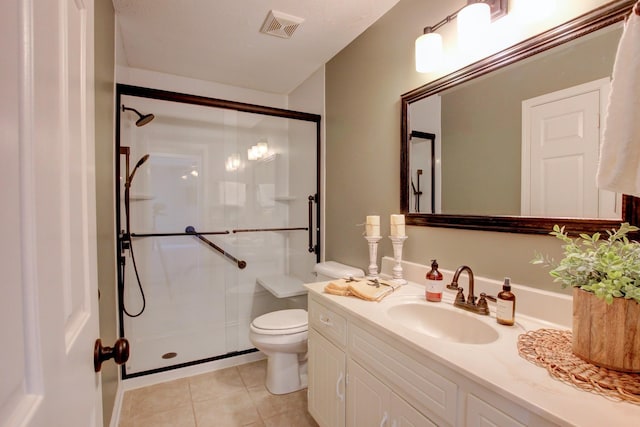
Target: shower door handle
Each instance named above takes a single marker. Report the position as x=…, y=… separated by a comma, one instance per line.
x=312, y=199
x=119, y=352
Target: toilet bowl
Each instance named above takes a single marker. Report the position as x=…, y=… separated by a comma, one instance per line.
x=282, y=335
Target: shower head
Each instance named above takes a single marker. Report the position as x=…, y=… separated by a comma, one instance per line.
x=141, y=161
x=135, y=168
x=143, y=118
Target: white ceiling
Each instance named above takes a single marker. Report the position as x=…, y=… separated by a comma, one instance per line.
x=220, y=40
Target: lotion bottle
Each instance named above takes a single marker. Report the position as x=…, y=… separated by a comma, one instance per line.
x=435, y=284
x=506, y=304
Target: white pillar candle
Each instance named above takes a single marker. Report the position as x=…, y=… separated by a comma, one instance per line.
x=397, y=225
x=372, y=227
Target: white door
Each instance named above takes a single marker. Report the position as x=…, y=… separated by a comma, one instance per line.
x=561, y=140
x=48, y=308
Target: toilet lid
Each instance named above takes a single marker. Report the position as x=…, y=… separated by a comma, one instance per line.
x=283, y=320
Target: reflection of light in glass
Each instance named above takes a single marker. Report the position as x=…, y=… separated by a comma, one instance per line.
x=258, y=151
x=184, y=177
x=232, y=163
x=262, y=148
x=194, y=173
x=252, y=153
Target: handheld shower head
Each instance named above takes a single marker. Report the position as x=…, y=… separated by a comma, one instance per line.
x=135, y=168
x=141, y=161
x=143, y=118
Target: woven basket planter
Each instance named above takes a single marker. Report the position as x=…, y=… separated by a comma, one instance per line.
x=606, y=335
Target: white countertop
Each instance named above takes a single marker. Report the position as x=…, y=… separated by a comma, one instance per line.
x=497, y=365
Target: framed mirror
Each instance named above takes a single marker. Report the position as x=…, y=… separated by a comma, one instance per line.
x=467, y=157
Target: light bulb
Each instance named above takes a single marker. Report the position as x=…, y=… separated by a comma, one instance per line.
x=428, y=52
x=473, y=23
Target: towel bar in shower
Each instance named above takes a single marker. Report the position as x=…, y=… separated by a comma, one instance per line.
x=251, y=230
x=204, y=233
x=192, y=231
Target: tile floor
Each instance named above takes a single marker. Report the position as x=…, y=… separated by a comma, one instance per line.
x=229, y=397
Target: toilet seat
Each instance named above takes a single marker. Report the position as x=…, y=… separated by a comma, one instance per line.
x=282, y=322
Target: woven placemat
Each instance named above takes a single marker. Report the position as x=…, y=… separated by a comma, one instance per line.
x=551, y=349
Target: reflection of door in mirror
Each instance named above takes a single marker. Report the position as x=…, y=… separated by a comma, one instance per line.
x=425, y=154
x=423, y=173
x=560, y=148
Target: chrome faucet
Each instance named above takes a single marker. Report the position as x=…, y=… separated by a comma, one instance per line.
x=469, y=303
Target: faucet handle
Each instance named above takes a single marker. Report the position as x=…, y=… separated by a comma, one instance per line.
x=460, y=296
x=483, y=307
x=489, y=297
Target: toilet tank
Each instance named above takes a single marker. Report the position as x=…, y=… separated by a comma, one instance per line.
x=334, y=270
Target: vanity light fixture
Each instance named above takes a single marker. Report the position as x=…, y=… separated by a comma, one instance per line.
x=473, y=20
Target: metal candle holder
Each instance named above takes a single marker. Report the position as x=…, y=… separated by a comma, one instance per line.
x=398, y=241
x=373, y=255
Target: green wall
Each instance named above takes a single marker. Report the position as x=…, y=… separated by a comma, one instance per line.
x=364, y=83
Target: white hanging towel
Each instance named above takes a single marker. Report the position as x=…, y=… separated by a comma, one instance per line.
x=619, y=166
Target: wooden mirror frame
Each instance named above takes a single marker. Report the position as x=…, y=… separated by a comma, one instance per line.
x=601, y=17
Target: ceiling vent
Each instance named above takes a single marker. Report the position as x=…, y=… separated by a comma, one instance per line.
x=280, y=24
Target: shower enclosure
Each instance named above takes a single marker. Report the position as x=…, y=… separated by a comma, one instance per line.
x=212, y=195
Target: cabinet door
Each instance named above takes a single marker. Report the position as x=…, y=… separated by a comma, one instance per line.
x=327, y=378
x=480, y=414
x=405, y=415
x=371, y=403
x=368, y=399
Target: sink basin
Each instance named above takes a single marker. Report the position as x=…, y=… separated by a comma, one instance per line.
x=449, y=324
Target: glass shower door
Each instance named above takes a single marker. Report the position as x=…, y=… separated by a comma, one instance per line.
x=222, y=199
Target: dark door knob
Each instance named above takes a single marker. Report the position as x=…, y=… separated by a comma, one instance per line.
x=119, y=352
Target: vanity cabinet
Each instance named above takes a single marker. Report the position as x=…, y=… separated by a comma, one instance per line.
x=372, y=403
x=362, y=375
x=327, y=367
x=327, y=379
x=480, y=413
x=486, y=408
x=342, y=392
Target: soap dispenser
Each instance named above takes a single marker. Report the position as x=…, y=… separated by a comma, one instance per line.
x=506, y=304
x=435, y=285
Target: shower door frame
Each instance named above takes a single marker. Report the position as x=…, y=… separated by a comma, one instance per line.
x=164, y=95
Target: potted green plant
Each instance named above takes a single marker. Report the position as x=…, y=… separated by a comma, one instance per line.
x=605, y=276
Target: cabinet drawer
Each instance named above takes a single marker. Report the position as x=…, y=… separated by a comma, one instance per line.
x=429, y=392
x=329, y=323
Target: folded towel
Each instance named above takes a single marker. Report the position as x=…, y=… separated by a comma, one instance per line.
x=619, y=165
x=338, y=287
x=370, y=290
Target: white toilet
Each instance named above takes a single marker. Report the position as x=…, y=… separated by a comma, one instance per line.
x=282, y=335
